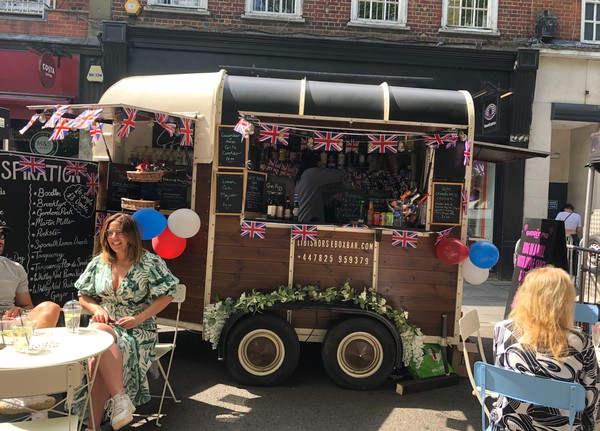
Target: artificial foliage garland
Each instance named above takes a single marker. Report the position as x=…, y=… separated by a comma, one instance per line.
x=217, y=313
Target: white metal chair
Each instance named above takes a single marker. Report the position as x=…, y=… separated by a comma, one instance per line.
x=531, y=389
x=586, y=313
x=163, y=349
x=54, y=379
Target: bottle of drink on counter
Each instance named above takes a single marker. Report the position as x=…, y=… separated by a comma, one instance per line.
x=271, y=209
x=370, y=213
x=287, y=209
x=279, y=212
x=295, y=208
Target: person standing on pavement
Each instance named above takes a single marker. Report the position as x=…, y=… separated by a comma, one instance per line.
x=572, y=222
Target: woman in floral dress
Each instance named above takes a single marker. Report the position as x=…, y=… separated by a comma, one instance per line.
x=124, y=287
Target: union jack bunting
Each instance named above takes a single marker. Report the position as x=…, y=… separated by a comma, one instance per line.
x=304, y=145
x=163, y=120
x=270, y=134
x=273, y=166
x=96, y=132
x=32, y=164
x=383, y=143
x=92, y=182
x=404, y=238
x=61, y=130
x=465, y=200
x=356, y=225
x=85, y=119
x=467, y=153
x=100, y=217
x=29, y=124
x=75, y=168
x=479, y=167
x=436, y=140
x=352, y=146
x=55, y=117
x=451, y=143
x=285, y=170
x=187, y=131
x=443, y=234
x=253, y=229
x=303, y=232
x=128, y=123
x=242, y=126
x=328, y=141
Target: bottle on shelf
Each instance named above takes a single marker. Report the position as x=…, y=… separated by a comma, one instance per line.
x=271, y=208
x=341, y=160
x=370, y=213
x=287, y=209
x=361, y=211
x=295, y=208
x=279, y=212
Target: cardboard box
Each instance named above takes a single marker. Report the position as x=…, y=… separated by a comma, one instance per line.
x=458, y=358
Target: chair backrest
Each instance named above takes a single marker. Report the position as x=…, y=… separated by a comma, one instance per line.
x=532, y=389
x=179, y=296
x=586, y=313
x=469, y=325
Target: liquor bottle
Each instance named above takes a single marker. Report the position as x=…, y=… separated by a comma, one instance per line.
x=271, y=209
x=287, y=209
x=295, y=208
x=361, y=212
x=411, y=207
x=279, y=212
x=370, y=213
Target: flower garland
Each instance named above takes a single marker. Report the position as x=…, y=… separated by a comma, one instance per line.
x=216, y=314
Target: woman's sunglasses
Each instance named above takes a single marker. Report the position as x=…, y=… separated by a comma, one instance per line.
x=3, y=235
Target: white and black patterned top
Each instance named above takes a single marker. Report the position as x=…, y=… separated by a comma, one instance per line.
x=580, y=366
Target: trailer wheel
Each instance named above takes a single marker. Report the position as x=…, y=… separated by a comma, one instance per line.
x=358, y=353
x=262, y=351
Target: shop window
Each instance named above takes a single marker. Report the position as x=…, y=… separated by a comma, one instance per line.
x=481, y=200
x=590, y=21
x=180, y=4
x=475, y=15
x=274, y=8
x=379, y=12
x=26, y=7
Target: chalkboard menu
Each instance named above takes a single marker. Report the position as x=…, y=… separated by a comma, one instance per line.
x=174, y=191
x=230, y=188
x=449, y=163
x=351, y=205
x=232, y=148
x=50, y=204
x=274, y=190
x=255, y=192
x=447, y=204
x=120, y=187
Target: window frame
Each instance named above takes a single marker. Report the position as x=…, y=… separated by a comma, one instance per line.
x=297, y=15
x=402, y=16
x=155, y=5
x=45, y=4
x=595, y=22
x=491, y=24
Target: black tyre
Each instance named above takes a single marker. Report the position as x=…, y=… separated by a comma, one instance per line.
x=358, y=353
x=262, y=351
x=591, y=259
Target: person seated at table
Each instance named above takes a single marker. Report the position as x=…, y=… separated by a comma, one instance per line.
x=124, y=287
x=539, y=339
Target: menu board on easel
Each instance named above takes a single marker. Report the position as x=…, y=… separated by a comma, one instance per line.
x=446, y=204
x=229, y=193
x=255, y=192
x=231, y=148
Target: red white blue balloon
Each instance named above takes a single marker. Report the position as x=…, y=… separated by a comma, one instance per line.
x=484, y=254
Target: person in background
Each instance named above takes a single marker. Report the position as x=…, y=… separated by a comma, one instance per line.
x=124, y=287
x=572, y=222
x=539, y=339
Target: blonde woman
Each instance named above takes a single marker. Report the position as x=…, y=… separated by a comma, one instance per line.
x=539, y=339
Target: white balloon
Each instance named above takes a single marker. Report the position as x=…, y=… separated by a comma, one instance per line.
x=473, y=274
x=184, y=223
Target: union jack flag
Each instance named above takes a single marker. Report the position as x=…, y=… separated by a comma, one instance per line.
x=443, y=234
x=163, y=120
x=92, y=183
x=100, y=217
x=96, y=132
x=242, y=126
x=451, y=143
x=328, y=141
x=270, y=134
x=32, y=164
x=465, y=200
x=61, y=130
x=273, y=166
x=253, y=229
x=285, y=170
x=85, y=119
x=29, y=124
x=56, y=115
x=404, y=238
x=352, y=146
x=479, y=167
x=436, y=140
x=383, y=143
x=467, y=153
x=128, y=123
x=187, y=131
x=304, y=232
x=356, y=225
x=75, y=168
x=304, y=145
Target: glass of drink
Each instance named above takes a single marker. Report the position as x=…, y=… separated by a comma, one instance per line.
x=596, y=335
x=6, y=335
x=21, y=332
x=72, y=311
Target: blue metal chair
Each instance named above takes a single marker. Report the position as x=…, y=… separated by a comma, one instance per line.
x=586, y=313
x=530, y=389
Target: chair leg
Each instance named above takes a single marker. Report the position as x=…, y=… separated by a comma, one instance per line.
x=167, y=384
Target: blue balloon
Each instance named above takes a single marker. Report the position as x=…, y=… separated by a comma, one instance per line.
x=151, y=222
x=484, y=254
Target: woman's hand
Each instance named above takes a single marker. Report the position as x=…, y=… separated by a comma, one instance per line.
x=101, y=316
x=128, y=322
x=12, y=312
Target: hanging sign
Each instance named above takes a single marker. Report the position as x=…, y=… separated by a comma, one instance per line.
x=491, y=114
x=47, y=70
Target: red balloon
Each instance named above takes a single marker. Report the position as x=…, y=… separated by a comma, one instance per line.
x=168, y=245
x=451, y=251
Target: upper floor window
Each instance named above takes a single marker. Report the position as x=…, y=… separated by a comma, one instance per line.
x=182, y=4
x=590, y=21
x=387, y=12
x=275, y=8
x=26, y=7
x=470, y=14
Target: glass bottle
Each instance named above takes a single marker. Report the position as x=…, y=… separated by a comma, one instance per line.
x=271, y=209
x=295, y=208
x=370, y=213
x=361, y=211
x=287, y=209
x=279, y=213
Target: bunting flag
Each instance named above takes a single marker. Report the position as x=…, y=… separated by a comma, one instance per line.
x=75, y=168
x=356, y=225
x=253, y=229
x=187, y=133
x=61, y=130
x=443, y=234
x=451, y=142
x=383, y=144
x=437, y=140
x=285, y=170
x=100, y=217
x=96, y=132
x=270, y=134
x=465, y=200
x=273, y=166
x=163, y=121
x=467, y=153
x=328, y=141
x=128, y=123
x=56, y=116
x=34, y=165
x=352, y=146
x=92, y=183
x=34, y=117
x=404, y=238
x=242, y=126
x=479, y=167
x=304, y=145
x=302, y=232
x=85, y=119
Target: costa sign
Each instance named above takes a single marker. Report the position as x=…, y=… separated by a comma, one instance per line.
x=47, y=70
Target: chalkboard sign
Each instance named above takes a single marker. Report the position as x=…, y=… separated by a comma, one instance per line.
x=174, y=191
x=447, y=204
x=230, y=188
x=255, y=192
x=449, y=163
x=350, y=210
x=50, y=204
x=232, y=148
x=274, y=190
x=120, y=187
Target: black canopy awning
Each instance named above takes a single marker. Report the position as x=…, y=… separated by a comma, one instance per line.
x=497, y=153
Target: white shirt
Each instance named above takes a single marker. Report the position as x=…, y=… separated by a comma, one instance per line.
x=572, y=220
x=13, y=280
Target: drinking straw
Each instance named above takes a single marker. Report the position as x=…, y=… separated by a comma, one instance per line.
x=21, y=317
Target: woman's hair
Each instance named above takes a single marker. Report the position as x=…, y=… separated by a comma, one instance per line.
x=131, y=234
x=543, y=312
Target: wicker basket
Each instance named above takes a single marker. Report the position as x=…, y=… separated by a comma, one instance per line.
x=138, y=204
x=145, y=177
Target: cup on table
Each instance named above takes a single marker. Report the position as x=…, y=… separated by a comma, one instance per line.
x=21, y=332
x=596, y=335
x=72, y=311
x=6, y=335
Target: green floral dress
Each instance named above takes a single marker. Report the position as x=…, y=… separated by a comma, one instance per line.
x=145, y=281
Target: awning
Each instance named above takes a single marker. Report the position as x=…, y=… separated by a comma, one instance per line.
x=497, y=153
x=16, y=103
